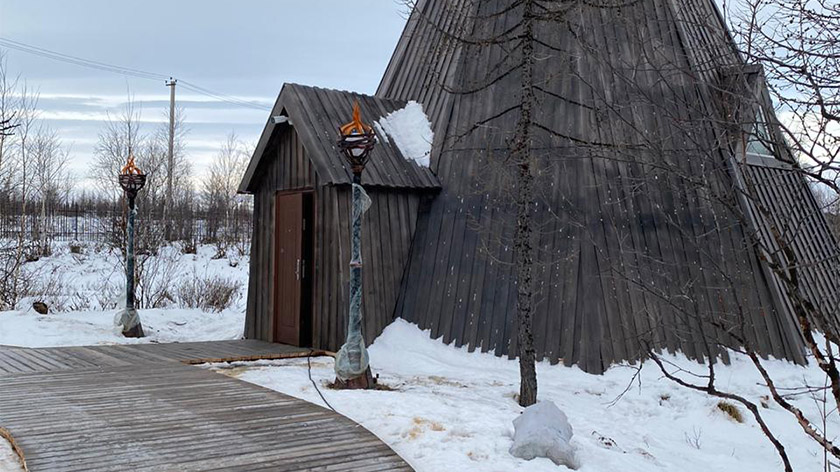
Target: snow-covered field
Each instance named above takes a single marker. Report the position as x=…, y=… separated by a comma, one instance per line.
x=97, y=327
x=452, y=410
x=85, y=290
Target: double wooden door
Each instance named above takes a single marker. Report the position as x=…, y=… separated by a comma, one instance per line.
x=292, y=268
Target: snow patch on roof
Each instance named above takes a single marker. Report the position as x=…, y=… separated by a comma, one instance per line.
x=380, y=133
x=411, y=131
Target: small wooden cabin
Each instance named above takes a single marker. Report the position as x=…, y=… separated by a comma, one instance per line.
x=298, y=292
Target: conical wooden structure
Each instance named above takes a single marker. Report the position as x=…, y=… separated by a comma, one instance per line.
x=656, y=208
x=642, y=235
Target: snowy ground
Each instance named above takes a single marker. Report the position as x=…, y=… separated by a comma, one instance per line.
x=452, y=410
x=84, y=291
x=8, y=459
x=97, y=327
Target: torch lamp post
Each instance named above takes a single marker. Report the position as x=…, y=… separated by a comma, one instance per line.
x=131, y=181
x=356, y=141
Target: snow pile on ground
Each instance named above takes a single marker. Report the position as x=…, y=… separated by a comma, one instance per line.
x=85, y=289
x=9, y=461
x=411, y=130
x=453, y=410
x=542, y=430
x=169, y=325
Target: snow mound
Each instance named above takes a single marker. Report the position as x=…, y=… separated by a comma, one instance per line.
x=544, y=431
x=411, y=130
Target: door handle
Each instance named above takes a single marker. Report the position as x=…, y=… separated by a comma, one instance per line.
x=297, y=270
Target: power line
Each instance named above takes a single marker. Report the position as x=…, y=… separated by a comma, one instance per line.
x=102, y=66
x=219, y=96
x=23, y=47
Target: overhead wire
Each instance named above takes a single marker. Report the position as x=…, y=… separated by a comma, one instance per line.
x=103, y=66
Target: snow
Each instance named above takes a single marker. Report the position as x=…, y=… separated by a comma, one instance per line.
x=543, y=430
x=85, y=291
x=453, y=410
x=411, y=130
x=450, y=409
x=8, y=459
x=88, y=328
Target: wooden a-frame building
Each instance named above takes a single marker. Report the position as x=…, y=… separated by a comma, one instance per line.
x=661, y=194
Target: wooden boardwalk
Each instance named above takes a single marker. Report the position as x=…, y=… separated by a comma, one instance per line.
x=143, y=408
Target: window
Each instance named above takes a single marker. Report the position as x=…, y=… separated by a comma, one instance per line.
x=759, y=141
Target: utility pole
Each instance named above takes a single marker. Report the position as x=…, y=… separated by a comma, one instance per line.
x=170, y=168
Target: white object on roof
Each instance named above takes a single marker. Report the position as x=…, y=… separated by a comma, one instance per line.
x=411, y=131
x=280, y=119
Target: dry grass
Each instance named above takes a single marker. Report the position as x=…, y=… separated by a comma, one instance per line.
x=731, y=410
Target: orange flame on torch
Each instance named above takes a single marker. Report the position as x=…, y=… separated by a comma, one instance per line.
x=130, y=168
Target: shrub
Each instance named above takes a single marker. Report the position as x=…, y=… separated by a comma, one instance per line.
x=214, y=293
x=190, y=247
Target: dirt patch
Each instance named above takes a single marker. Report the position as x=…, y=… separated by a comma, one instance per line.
x=421, y=425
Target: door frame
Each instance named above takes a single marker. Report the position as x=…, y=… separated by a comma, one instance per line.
x=307, y=282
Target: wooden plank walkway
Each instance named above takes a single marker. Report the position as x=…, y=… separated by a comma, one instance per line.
x=143, y=408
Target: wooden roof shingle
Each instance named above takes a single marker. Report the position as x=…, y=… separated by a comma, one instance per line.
x=316, y=113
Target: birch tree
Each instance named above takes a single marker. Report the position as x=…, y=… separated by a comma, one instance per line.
x=219, y=188
x=51, y=178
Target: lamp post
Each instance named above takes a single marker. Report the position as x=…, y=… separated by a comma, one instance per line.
x=356, y=141
x=131, y=181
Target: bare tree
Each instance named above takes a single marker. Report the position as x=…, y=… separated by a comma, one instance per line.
x=18, y=105
x=798, y=46
x=118, y=139
x=219, y=188
x=51, y=178
x=8, y=122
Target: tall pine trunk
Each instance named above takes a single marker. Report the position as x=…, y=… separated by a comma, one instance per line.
x=523, y=247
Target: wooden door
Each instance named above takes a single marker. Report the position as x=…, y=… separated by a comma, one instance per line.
x=288, y=265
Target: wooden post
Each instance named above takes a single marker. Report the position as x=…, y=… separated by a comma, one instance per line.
x=167, y=199
x=354, y=346
x=135, y=331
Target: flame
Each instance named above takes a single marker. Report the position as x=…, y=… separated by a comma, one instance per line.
x=130, y=168
x=356, y=126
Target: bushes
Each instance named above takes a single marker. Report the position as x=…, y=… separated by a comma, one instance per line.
x=214, y=293
x=79, y=278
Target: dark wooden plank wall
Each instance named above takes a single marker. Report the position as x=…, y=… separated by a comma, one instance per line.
x=781, y=191
x=388, y=229
x=284, y=168
x=630, y=250
x=388, y=226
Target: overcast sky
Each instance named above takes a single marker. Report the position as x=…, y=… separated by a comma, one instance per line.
x=247, y=49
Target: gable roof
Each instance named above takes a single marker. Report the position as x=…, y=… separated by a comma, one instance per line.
x=316, y=115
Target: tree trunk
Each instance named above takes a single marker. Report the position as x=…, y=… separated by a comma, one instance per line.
x=42, y=227
x=523, y=247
